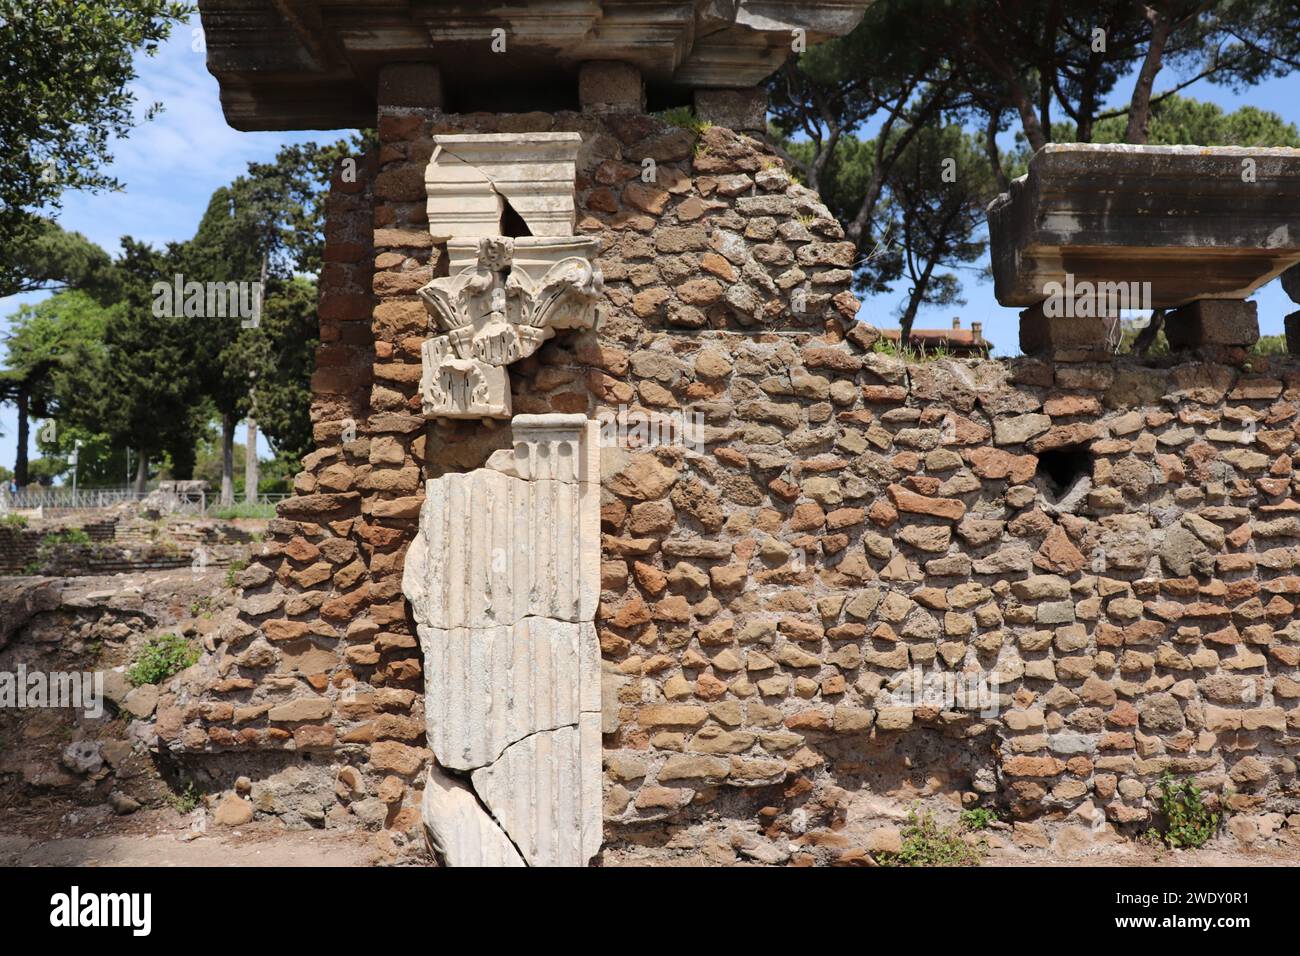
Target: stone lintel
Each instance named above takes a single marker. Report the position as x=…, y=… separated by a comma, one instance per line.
x=741, y=110
x=609, y=86
x=295, y=64
x=1212, y=322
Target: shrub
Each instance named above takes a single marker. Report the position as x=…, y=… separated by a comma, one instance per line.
x=232, y=572
x=925, y=843
x=978, y=818
x=684, y=117
x=15, y=522
x=70, y=536
x=160, y=658
x=186, y=799
x=1188, y=821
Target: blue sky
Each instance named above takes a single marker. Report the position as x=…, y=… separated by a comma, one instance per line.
x=170, y=166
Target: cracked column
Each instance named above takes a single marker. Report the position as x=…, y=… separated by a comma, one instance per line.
x=503, y=577
x=503, y=580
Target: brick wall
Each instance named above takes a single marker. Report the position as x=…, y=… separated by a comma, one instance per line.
x=849, y=519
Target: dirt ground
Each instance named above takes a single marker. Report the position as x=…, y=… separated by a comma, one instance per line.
x=167, y=838
x=83, y=837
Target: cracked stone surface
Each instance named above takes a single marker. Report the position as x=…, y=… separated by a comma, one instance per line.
x=471, y=176
x=503, y=580
x=545, y=791
x=498, y=685
x=460, y=832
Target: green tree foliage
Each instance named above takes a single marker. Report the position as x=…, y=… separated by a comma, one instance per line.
x=150, y=380
x=1263, y=33
x=938, y=190
x=266, y=226
x=1179, y=121
x=100, y=462
x=233, y=245
x=1043, y=61
x=854, y=115
x=50, y=258
x=830, y=94
x=67, y=68
x=138, y=384
x=286, y=358
x=41, y=342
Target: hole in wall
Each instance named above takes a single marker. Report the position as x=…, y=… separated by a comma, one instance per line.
x=512, y=224
x=1060, y=468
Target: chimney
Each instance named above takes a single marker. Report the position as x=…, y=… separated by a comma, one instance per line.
x=977, y=330
x=956, y=322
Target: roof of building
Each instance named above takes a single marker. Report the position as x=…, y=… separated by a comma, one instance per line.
x=953, y=339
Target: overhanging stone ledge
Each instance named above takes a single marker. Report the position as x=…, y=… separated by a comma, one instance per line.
x=317, y=63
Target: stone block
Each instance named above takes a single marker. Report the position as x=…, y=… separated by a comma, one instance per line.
x=470, y=174
x=410, y=84
x=1291, y=283
x=1292, y=326
x=493, y=549
x=459, y=832
x=489, y=688
x=740, y=110
x=608, y=86
x=1041, y=333
x=546, y=792
x=1213, y=322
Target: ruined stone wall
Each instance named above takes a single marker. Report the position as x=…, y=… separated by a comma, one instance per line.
x=856, y=519
x=848, y=519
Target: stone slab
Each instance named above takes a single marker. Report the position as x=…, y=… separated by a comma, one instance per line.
x=493, y=549
x=315, y=64
x=1179, y=217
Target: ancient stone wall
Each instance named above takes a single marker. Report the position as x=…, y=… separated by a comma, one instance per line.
x=1105, y=549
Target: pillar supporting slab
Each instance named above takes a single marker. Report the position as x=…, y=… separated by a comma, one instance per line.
x=742, y=110
x=1064, y=338
x=1213, y=322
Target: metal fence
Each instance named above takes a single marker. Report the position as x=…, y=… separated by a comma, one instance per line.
x=48, y=501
